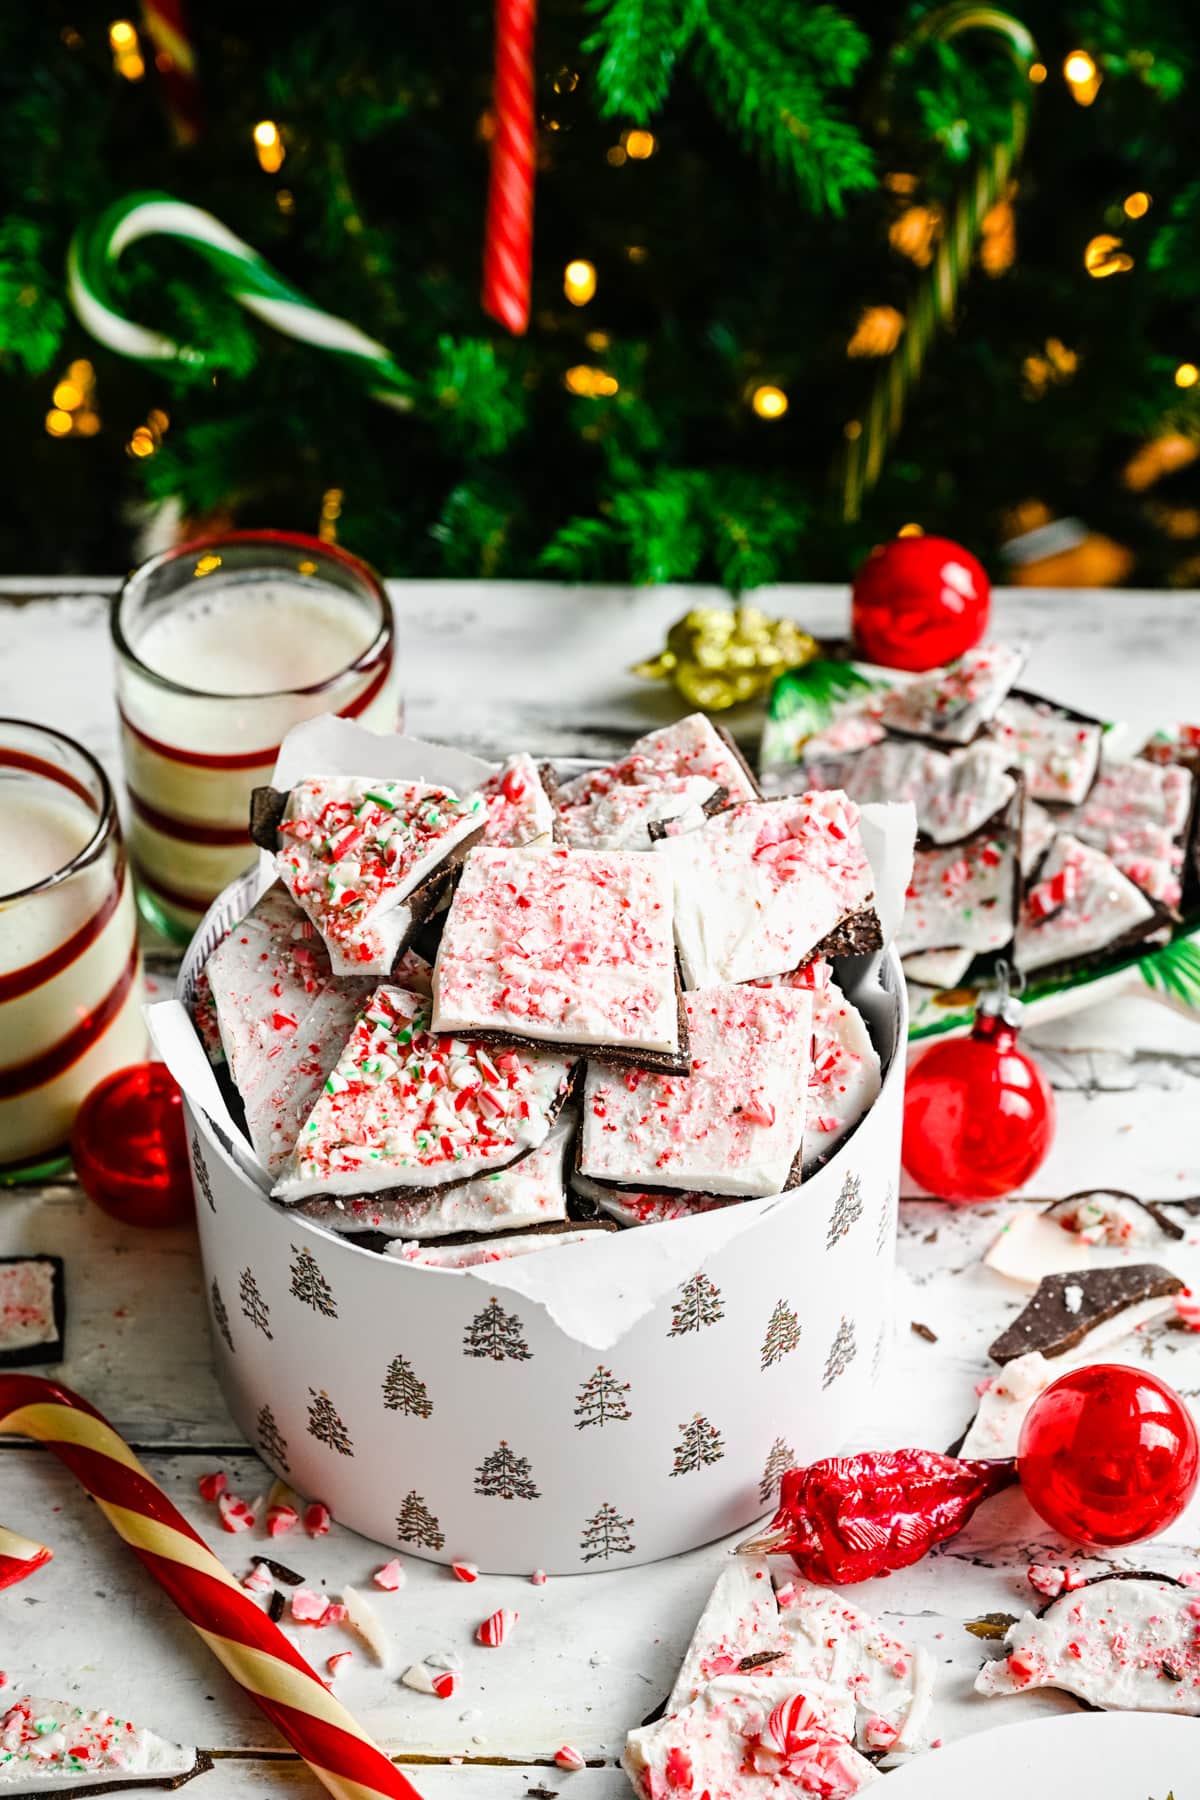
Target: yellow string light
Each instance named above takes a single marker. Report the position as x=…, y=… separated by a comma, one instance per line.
x=331, y=512
x=1136, y=205
x=915, y=232
x=206, y=564
x=640, y=145
x=122, y=35
x=1161, y=456
x=911, y=531
x=67, y=396
x=998, y=240
x=1104, y=256
x=58, y=422
x=615, y=155
x=589, y=383
x=1187, y=375
x=72, y=412
x=579, y=281
x=877, y=332
x=142, y=443
x=86, y=423
x=769, y=402
x=1083, y=77
x=1038, y=73
x=268, y=146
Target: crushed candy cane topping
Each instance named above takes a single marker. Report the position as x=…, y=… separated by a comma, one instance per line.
x=47, y=1741
x=351, y=849
x=405, y=1106
x=734, y=1125
x=570, y=946
x=1057, y=755
x=518, y=808
x=496, y=1629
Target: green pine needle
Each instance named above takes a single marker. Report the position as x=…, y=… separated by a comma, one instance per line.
x=637, y=42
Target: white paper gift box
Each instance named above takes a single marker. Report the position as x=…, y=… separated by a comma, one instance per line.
x=585, y=1407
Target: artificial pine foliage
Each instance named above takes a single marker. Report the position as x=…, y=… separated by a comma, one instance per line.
x=606, y=1534
x=253, y=1304
x=802, y=162
x=417, y=1525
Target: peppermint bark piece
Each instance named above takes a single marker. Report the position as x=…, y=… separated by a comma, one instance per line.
x=630, y=1207
x=351, y=851
x=1057, y=750
x=1067, y=1234
x=740, y=1619
x=405, y=1107
x=519, y=811
x=54, y=1747
x=953, y=704
x=1038, y=831
x=530, y=1191
x=747, y=1740
x=570, y=947
x=938, y=968
x=954, y=794
x=692, y=749
x=963, y=898
x=844, y=1080
x=1138, y=813
x=283, y=1018
x=734, y=1125
x=1079, y=904
x=1124, y=1642
x=762, y=885
x=499, y=1249
x=1067, y=1308
x=625, y=817
x=33, y=1311
x=850, y=1652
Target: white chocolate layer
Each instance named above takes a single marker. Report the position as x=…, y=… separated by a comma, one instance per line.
x=55, y=1744
x=954, y=794
x=572, y=947
x=1058, y=756
x=953, y=703
x=1080, y=903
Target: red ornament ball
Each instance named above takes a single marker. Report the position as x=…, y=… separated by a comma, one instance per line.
x=1108, y=1455
x=919, y=602
x=129, y=1147
x=978, y=1113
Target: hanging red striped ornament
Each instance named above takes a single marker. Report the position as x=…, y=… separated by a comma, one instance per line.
x=165, y=24
x=508, y=234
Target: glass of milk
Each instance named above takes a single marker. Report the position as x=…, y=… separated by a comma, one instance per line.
x=70, y=977
x=222, y=646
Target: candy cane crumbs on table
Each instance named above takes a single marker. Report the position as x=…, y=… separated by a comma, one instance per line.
x=538, y=1578
x=568, y=1757
x=19, y=1557
x=235, y=1514
x=253, y=1651
x=391, y=1576
x=211, y=1487
x=281, y=1519
x=1187, y=1309
x=317, y=1519
x=258, y=1581
x=494, y=1630
x=464, y=1571
x=333, y=1663
x=308, y=1607
x=444, y=1683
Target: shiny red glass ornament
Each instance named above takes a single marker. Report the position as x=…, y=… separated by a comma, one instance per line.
x=1108, y=1455
x=129, y=1147
x=978, y=1112
x=919, y=602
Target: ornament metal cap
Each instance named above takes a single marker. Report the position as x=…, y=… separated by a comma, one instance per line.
x=1000, y=1001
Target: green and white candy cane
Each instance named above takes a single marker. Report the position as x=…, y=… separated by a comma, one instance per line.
x=935, y=300
x=97, y=248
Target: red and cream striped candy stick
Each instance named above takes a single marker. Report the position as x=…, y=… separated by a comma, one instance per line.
x=241, y=1637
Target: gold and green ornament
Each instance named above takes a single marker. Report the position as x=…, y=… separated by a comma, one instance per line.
x=720, y=656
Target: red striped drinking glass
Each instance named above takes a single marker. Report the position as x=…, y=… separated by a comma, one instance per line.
x=222, y=646
x=70, y=976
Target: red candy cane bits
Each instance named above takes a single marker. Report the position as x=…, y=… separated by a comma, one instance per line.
x=235, y=1514
x=465, y=1571
x=317, y=1519
x=847, y=1518
x=211, y=1487
x=568, y=1757
x=19, y=1557
x=493, y=1631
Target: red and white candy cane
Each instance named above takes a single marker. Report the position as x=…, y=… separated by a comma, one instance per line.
x=19, y=1557
x=508, y=233
x=239, y=1634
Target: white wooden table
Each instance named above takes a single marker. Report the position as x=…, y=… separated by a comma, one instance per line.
x=544, y=667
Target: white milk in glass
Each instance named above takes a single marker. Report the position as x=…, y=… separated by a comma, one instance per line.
x=70, y=988
x=221, y=669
